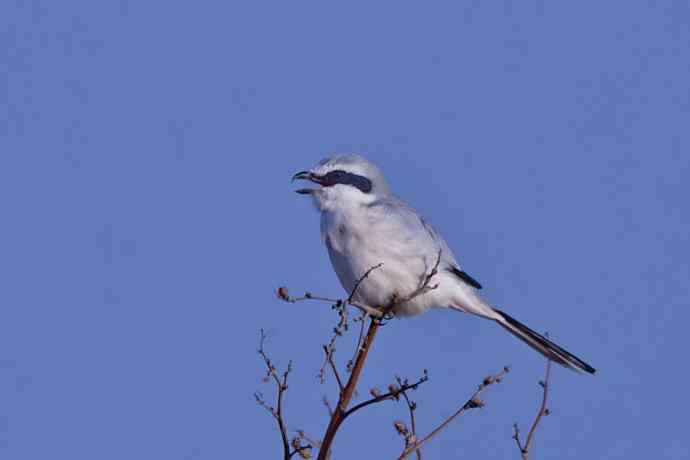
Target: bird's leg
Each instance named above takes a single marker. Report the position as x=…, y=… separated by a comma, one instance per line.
x=387, y=312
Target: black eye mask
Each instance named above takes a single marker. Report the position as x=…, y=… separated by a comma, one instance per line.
x=342, y=177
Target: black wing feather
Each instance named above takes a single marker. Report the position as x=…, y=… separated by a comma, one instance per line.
x=465, y=277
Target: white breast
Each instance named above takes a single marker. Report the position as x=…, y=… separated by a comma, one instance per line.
x=358, y=240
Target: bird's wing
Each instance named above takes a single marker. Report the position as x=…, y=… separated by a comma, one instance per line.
x=400, y=222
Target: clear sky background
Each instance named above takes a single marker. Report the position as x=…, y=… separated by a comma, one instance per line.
x=147, y=217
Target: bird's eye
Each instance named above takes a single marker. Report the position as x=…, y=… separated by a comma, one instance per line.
x=336, y=177
x=341, y=177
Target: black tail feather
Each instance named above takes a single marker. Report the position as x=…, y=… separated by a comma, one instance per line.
x=542, y=344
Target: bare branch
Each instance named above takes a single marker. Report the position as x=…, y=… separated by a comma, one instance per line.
x=283, y=294
x=393, y=393
x=328, y=405
x=345, y=397
x=362, y=278
x=281, y=384
x=423, y=288
x=340, y=329
x=361, y=320
x=329, y=358
x=543, y=411
x=412, y=407
x=364, y=343
x=472, y=403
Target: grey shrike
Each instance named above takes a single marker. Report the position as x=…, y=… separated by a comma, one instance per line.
x=363, y=225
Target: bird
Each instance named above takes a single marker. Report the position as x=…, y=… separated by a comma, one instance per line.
x=385, y=253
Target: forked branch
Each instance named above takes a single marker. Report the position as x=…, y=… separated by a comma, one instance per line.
x=543, y=411
x=342, y=409
x=394, y=392
x=282, y=386
x=472, y=403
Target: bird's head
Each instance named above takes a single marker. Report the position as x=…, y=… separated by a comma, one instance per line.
x=343, y=180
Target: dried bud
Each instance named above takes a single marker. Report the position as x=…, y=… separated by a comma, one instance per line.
x=489, y=380
x=283, y=293
x=302, y=451
x=506, y=369
x=547, y=411
x=475, y=403
x=401, y=428
x=375, y=392
x=394, y=390
x=305, y=452
x=307, y=295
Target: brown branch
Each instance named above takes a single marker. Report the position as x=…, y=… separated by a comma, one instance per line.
x=472, y=403
x=345, y=397
x=281, y=383
x=341, y=411
x=543, y=411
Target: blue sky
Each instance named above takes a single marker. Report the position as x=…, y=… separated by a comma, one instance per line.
x=147, y=217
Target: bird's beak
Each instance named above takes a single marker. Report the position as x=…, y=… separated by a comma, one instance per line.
x=305, y=175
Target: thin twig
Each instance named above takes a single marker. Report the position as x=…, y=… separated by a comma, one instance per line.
x=472, y=403
x=309, y=296
x=362, y=322
x=543, y=410
x=328, y=406
x=341, y=328
x=412, y=407
x=281, y=383
x=329, y=358
x=362, y=278
x=423, y=288
x=393, y=393
x=338, y=330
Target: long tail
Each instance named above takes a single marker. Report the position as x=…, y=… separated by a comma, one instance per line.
x=542, y=344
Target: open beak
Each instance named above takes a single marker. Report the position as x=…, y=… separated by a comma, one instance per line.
x=305, y=175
